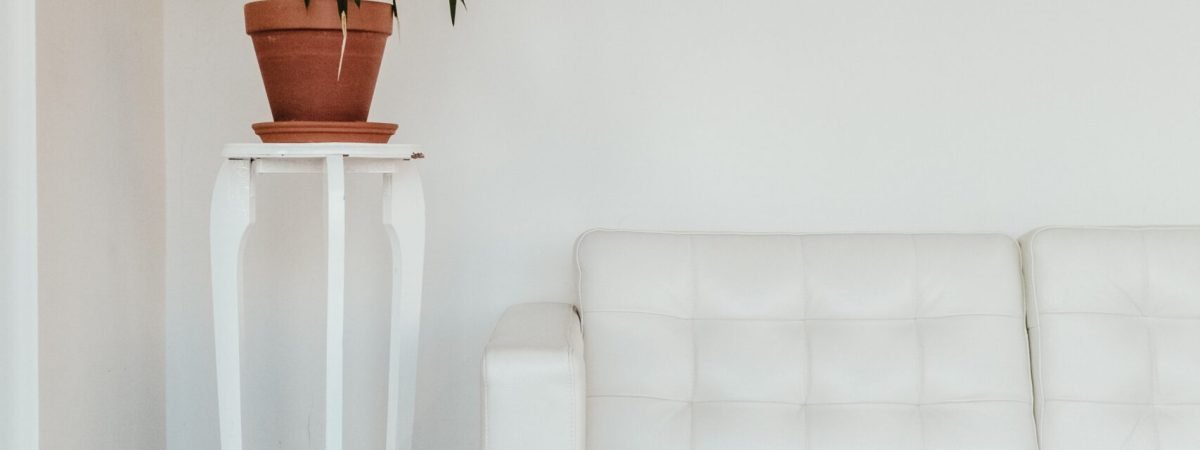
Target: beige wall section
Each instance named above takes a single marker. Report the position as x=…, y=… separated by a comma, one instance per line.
x=543, y=118
x=101, y=213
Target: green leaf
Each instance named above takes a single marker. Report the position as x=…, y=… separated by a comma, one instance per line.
x=358, y=3
x=343, y=6
x=453, y=10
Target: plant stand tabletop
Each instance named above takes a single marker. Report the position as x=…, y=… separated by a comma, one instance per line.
x=404, y=219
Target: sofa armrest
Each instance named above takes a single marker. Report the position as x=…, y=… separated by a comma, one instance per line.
x=533, y=380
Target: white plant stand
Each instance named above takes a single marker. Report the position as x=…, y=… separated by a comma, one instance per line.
x=404, y=218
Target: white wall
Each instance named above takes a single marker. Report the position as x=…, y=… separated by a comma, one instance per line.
x=101, y=225
x=544, y=118
x=18, y=228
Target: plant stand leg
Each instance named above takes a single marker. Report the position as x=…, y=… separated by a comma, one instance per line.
x=231, y=215
x=404, y=219
x=335, y=315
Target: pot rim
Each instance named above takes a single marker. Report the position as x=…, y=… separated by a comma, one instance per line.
x=279, y=15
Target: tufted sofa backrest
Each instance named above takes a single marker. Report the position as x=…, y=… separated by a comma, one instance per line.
x=1114, y=323
x=822, y=342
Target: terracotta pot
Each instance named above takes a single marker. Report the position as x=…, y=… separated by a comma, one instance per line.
x=298, y=50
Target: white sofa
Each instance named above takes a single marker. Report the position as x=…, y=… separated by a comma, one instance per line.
x=858, y=341
x=1114, y=328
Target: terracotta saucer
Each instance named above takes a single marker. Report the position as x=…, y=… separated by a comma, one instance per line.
x=306, y=132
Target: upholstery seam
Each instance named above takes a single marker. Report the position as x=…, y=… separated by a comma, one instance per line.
x=1150, y=340
x=578, y=310
x=916, y=293
x=787, y=234
x=1039, y=404
x=1119, y=228
x=1137, y=306
x=1137, y=316
x=818, y=319
x=805, y=297
x=1132, y=432
x=695, y=351
x=571, y=381
x=579, y=271
x=1019, y=255
x=1120, y=403
x=830, y=404
x=579, y=315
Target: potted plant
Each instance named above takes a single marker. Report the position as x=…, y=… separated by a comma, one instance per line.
x=319, y=61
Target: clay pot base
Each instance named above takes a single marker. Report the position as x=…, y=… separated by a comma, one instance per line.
x=309, y=132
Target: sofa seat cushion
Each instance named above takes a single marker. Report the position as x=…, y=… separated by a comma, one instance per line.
x=830, y=342
x=1114, y=318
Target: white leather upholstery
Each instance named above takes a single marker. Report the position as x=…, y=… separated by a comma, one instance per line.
x=533, y=380
x=1114, y=317
x=804, y=342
